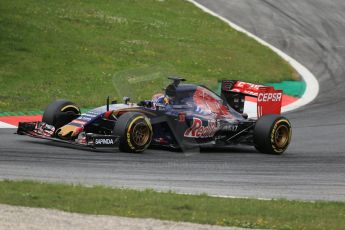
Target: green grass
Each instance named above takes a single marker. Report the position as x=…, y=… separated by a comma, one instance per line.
x=203, y=209
x=72, y=49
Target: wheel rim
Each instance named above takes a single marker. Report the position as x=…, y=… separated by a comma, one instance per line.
x=141, y=134
x=281, y=136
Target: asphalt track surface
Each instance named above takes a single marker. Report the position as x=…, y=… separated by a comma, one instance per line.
x=313, y=168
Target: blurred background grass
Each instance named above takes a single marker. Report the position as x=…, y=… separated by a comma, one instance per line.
x=54, y=49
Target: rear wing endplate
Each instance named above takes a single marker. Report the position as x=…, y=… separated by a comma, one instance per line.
x=269, y=100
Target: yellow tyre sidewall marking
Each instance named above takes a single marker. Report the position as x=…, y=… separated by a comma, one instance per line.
x=70, y=106
x=130, y=126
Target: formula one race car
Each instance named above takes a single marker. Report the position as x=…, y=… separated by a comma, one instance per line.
x=184, y=116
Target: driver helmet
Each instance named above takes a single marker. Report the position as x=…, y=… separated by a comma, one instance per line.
x=158, y=98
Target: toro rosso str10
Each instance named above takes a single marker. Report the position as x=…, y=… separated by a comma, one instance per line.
x=182, y=117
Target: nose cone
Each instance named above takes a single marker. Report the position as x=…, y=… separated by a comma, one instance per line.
x=68, y=131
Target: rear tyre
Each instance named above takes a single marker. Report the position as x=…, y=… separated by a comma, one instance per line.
x=272, y=134
x=135, y=132
x=60, y=113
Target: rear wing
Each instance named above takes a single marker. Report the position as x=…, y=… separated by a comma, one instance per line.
x=269, y=100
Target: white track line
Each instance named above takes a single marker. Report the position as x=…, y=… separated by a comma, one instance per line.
x=312, y=88
x=250, y=108
x=4, y=125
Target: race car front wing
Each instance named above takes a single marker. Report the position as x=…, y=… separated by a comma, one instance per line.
x=44, y=131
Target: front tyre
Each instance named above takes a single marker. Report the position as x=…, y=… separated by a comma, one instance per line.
x=60, y=113
x=272, y=134
x=135, y=132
